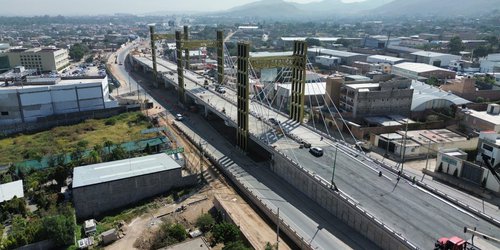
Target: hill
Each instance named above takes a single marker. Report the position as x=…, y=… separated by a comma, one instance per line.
x=442, y=8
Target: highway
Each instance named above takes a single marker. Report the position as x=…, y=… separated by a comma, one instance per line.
x=415, y=213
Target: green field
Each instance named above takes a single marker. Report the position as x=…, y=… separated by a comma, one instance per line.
x=121, y=128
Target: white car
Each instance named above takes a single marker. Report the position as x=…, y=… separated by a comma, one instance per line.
x=179, y=117
x=316, y=151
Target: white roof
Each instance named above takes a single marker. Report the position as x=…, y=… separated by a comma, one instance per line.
x=424, y=93
x=122, y=169
x=267, y=53
x=386, y=58
x=431, y=54
x=362, y=85
x=322, y=39
x=331, y=52
x=482, y=115
x=418, y=67
x=11, y=189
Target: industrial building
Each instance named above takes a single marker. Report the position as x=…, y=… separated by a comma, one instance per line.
x=370, y=99
x=42, y=59
x=426, y=97
x=490, y=64
x=421, y=71
x=434, y=58
x=100, y=188
x=384, y=59
x=347, y=58
x=10, y=190
x=40, y=97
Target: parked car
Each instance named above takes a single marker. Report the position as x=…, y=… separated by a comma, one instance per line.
x=179, y=117
x=316, y=151
x=273, y=121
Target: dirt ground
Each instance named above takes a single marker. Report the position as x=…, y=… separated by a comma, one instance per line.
x=141, y=229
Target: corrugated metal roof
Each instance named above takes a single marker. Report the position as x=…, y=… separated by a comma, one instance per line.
x=425, y=93
x=116, y=170
x=11, y=189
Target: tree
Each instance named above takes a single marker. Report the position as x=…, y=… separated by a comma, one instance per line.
x=455, y=45
x=93, y=157
x=205, y=222
x=78, y=51
x=118, y=153
x=59, y=228
x=237, y=245
x=432, y=81
x=178, y=232
x=225, y=232
x=482, y=51
x=344, y=42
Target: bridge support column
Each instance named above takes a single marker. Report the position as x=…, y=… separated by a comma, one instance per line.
x=186, y=51
x=180, y=66
x=153, y=55
x=298, y=81
x=220, y=57
x=243, y=96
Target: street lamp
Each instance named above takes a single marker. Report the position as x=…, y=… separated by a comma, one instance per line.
x=333, y=170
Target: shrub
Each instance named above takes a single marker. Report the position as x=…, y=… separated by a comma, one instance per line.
x=110, y=121
x=225, y=232
x=205, y=222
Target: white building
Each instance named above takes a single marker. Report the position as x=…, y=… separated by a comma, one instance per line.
x=454, y=162
x=488, y=120
x=41, y=59
x=328, y=61
x=434, y=58
x=489, y=146
x=491, y=64
x=41, y=97
x=421, y=71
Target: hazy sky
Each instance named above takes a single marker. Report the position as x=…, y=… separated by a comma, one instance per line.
x=95, y=7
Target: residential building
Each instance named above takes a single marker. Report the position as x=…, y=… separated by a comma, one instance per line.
x=384, y=59
x=488, y=120
x=427, y=97
x=103, y=187
x=41, y=59
x=434, y=58
x=454, y=162
x=421, y=71
x=371, y=99
x=465, y=87
x=10, y=190
x=40, y=97
x=314, y=94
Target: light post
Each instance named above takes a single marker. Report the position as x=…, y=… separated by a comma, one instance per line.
x=333, y=170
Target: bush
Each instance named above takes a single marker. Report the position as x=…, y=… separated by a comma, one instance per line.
x=225, y=232
x=205, y=222
x=238, y=245
x=110, y=121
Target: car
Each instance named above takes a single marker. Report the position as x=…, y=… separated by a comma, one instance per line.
x=273, y=121
x=220, y=89
x=316, y=151
x=121, y=63
x=179, y=117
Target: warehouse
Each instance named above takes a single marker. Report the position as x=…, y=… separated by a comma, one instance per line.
x=100, y=188
x=41, y=97
x=434, y=58
x=347, y=58
x=421, y=71
x=384, y=59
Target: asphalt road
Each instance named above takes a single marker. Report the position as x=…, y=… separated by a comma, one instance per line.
x=417, y=215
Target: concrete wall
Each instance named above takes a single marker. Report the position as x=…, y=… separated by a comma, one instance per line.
x=94, y=200
x=338, y=204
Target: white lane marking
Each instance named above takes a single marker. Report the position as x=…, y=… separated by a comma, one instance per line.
x=447, y=202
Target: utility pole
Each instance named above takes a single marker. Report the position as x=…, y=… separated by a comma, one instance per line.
x=404, y=146
x=427, y=158
x=334, y=164
x=278, y=230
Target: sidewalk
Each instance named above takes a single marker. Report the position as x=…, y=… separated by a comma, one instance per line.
x=487, y=206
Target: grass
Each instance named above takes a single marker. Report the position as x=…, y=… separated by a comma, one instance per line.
x=120, y=128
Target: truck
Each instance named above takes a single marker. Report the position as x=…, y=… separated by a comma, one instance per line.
x=453, y=243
